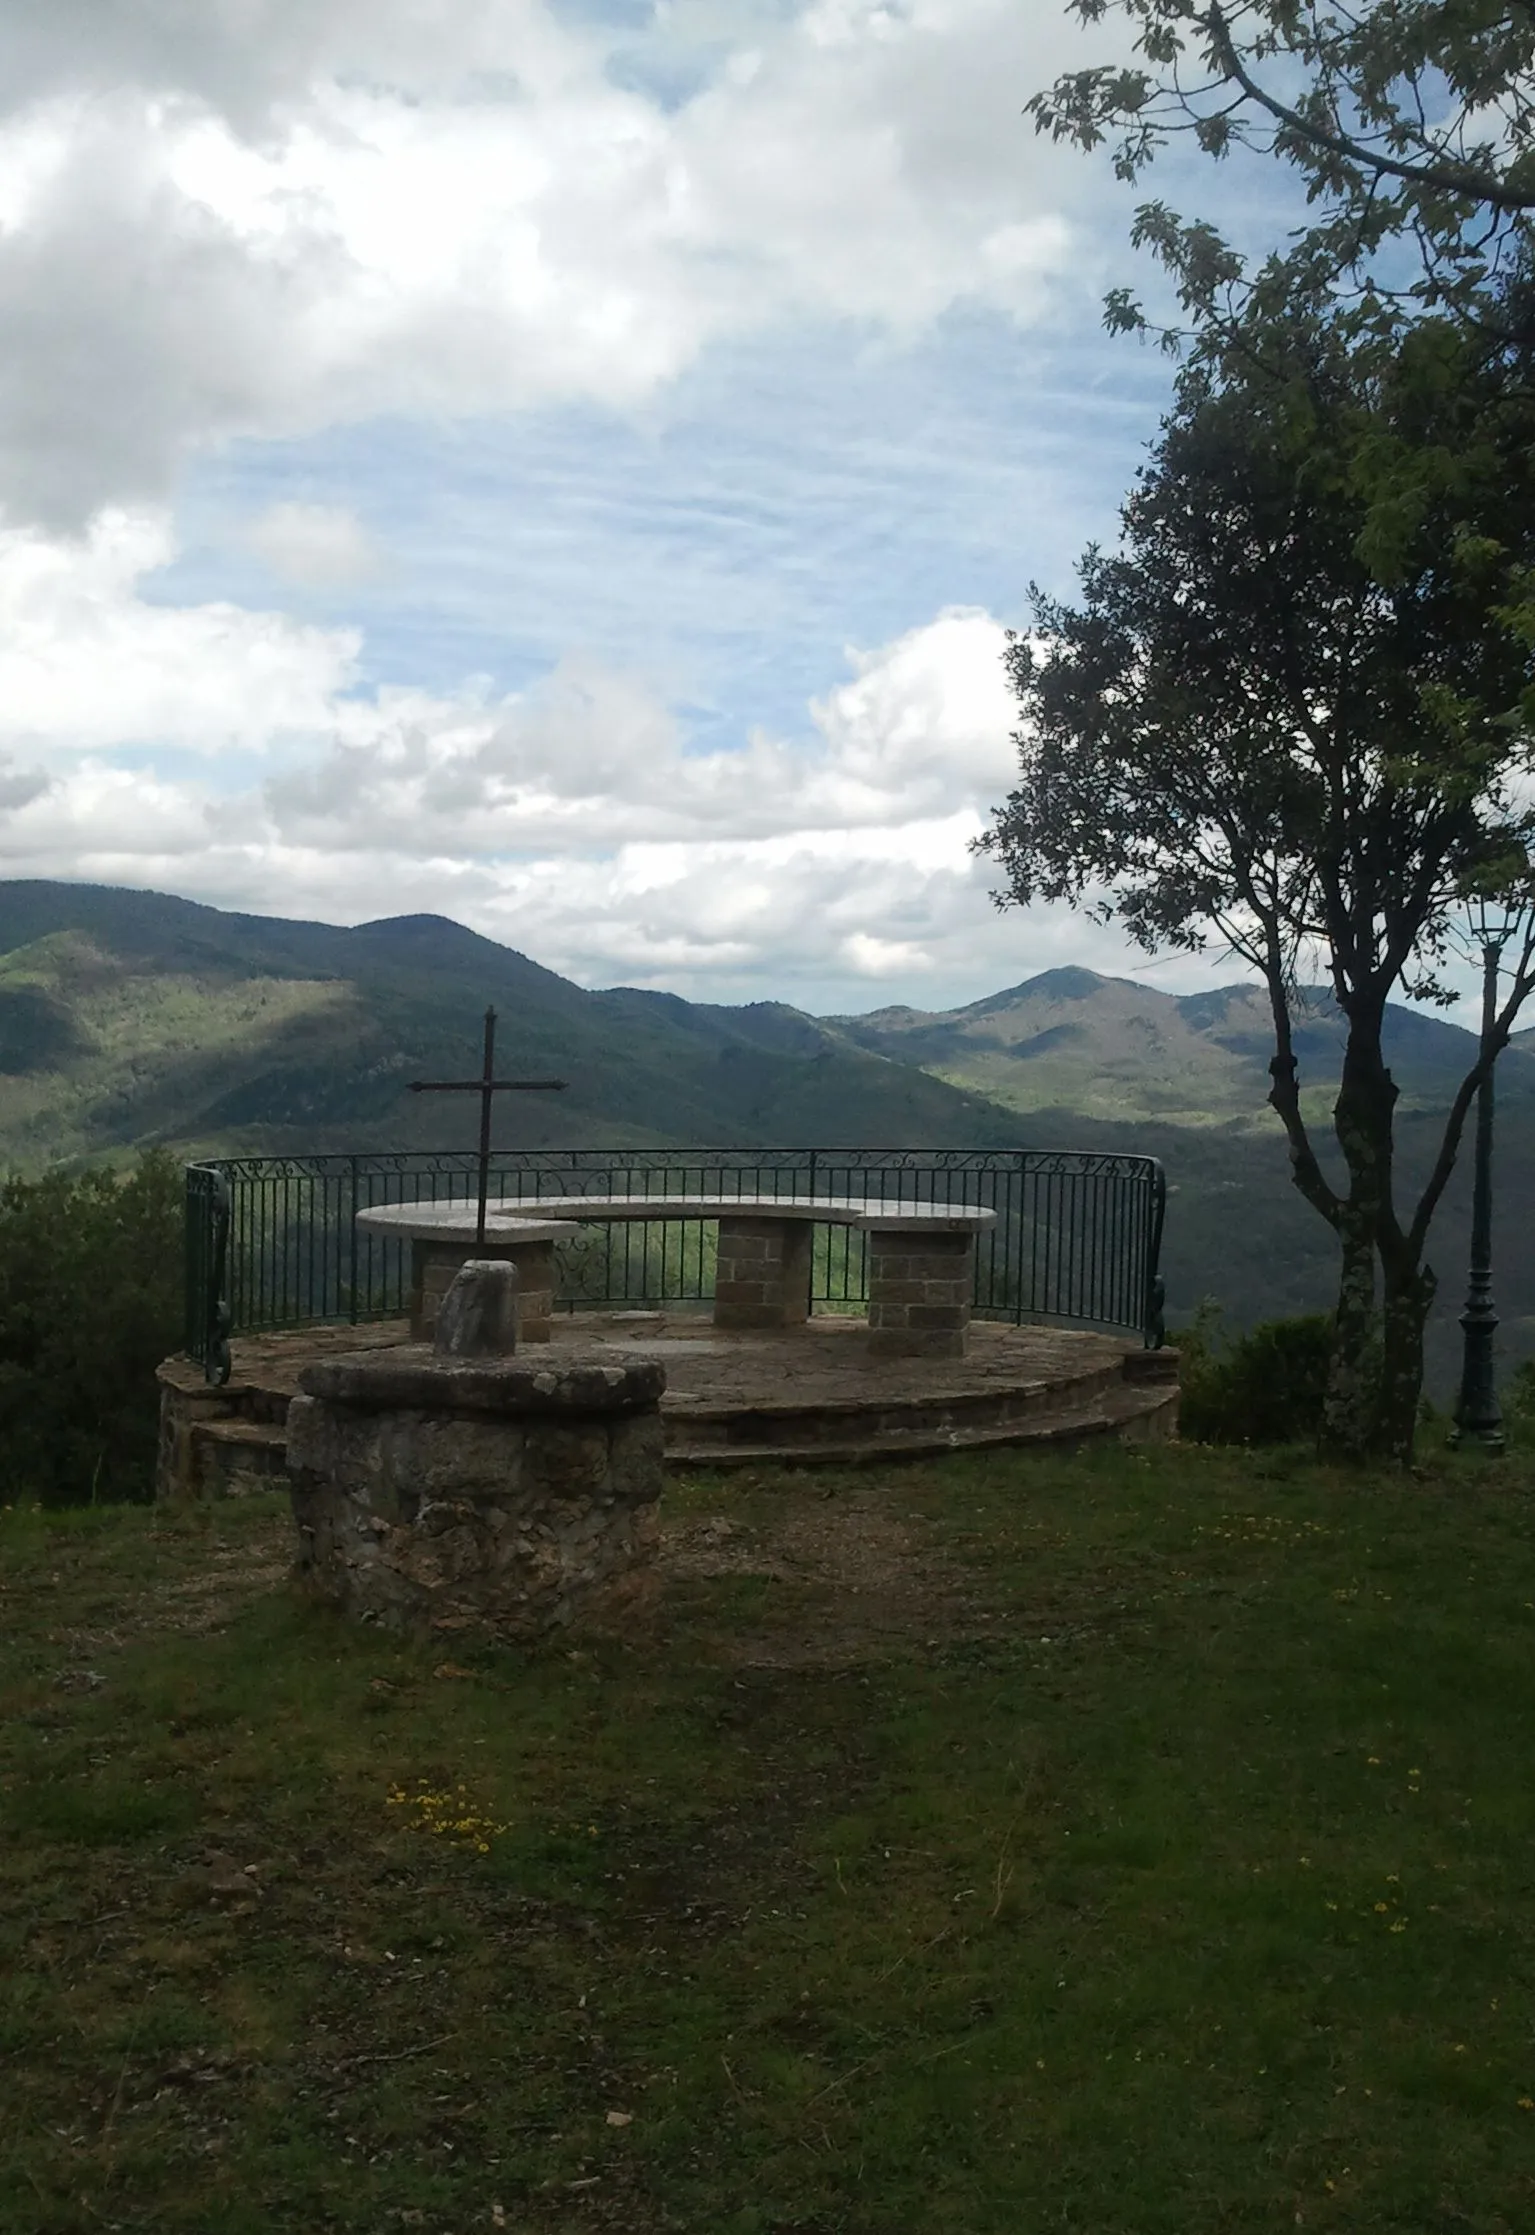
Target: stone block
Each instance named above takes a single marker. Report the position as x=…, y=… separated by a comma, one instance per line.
x=920, y=1288
x=477, y=1318
x=436, y=1264
x=740, y=1248
x=762, y=1272
x=507, y=1495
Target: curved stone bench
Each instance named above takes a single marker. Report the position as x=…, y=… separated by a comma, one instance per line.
x=921, y=1259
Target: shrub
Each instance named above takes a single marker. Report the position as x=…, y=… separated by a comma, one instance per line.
x=1262, y=1387
x=1518, y=1404
x=90, y=1302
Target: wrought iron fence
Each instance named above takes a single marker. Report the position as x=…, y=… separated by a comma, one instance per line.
x=273, y=1241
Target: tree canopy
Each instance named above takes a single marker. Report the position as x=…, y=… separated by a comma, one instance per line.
x=1408, y=121
x=1288, y=714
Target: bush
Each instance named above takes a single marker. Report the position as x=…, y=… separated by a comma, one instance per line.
x=90, y=1302
x=1263, y=1387
x=1518, y=1402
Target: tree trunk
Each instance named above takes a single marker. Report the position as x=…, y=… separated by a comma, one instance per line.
x=1407, y=1294
x=1362, y=1119
x=1351, y=1402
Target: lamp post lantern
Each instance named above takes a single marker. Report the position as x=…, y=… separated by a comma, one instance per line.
x=1478, y=1421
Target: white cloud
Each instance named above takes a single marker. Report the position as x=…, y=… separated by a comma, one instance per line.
x=261, y=219
x=594, y=759
x=571, y=821
x=87, y=664
x=314, y=546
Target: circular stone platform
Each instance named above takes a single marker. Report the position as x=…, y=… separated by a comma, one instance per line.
x=806, y=1396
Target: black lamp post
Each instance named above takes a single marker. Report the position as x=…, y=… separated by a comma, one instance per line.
x=1478, y=1422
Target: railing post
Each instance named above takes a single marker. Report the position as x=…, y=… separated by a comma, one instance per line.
x=208, y=1207
x=1156, y=1288
x=194, y=1260
x=351, y=1267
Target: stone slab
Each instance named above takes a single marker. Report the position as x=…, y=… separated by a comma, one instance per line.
x=870, y=1214
x=456, y=1221
x=413, y=1378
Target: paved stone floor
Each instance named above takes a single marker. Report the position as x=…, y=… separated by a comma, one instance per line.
x=824, y=1364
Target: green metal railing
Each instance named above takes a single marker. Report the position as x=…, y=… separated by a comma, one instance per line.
x=272, y=1242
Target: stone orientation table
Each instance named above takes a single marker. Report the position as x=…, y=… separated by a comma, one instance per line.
x=921, y=1257
x=442, y=1237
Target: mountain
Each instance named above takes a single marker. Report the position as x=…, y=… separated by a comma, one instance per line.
x=129, y=1018
x=1111, y=1048
x=1093, y=1061
x=133, y=1018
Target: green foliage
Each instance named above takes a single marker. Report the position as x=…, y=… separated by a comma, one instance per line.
x=90, y=1302
x=1408, y=121
x=1517, y=1400
x=1265, y=1387
x=1280, y=716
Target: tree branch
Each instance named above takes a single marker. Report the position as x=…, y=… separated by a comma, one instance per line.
x=1449, y=1144
x=1478, y=186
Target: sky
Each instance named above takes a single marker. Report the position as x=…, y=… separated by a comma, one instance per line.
x=566, y=467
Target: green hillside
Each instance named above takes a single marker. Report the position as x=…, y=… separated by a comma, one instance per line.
x=1093, y=1061
x=1113, y=1049
x=129, y=1018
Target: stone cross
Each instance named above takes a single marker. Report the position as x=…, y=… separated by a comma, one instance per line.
x=486, y=1086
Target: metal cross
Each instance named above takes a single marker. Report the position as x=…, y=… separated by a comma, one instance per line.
x=486, y=1086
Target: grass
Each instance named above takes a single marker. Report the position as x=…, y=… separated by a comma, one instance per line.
x=1125, y=1842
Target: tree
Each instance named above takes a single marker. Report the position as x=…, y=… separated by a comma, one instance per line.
x=90, y=1302
x=1406, y=120
x=1277, y=720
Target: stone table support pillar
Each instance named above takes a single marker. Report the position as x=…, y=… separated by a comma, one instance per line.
x=762, y=1272
x=435, y=1265
x=921, y=1281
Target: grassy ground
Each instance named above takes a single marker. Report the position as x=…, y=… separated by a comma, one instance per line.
x=1122, y=1843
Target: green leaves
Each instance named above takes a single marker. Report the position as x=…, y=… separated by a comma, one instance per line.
x=90, y=1303
x=1294, y=713
x=1411, y=125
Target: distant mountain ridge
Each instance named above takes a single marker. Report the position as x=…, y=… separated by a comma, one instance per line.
x=128, y=1018
x=1115, y=1049
x=133, y=1018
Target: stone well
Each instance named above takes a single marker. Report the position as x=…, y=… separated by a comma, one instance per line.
x=508, y=1495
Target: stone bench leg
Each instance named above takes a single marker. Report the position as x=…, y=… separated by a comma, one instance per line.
x=433, y=1266
x=762, y=1275
x=920, y=1286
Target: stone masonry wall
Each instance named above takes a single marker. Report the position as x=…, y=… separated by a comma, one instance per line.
x=920, y=1290
x=435, y=1266
x=518, y=1502
x=762, y=1273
